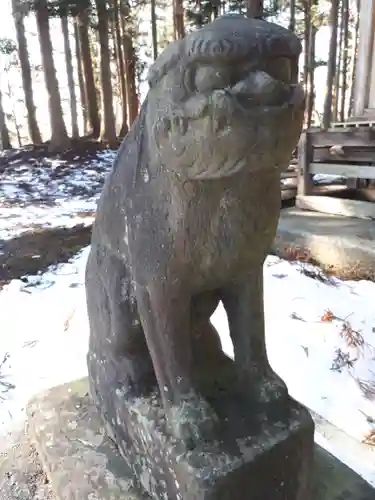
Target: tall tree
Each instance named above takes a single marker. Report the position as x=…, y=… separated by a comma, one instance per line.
x=254, y=8
x=19, y=12
x=345, y=58
x=108, y=119
x=354, y=59
x=121, y=68
x=292, y=15
x=129, y=57
x=307, y=5
x=310, y=98
x=87, y=63
x=59, y=136
x=70, y=76
x=81, y=80
x=4, y=132
x=178, y=19
x=331, y=67
x=338, y=70
x=154, y=29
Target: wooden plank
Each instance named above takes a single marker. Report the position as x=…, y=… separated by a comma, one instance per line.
x=358, y=136
x=344, y=154
x=337, y=206
x=289, y=174
x=285, y=187
x=353, y=123
x=345, y=170
x=305, y=181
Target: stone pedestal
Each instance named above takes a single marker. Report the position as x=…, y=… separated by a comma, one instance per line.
x=253, y=459
x=82, y=463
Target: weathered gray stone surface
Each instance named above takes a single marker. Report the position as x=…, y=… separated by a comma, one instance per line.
x=186, y=218
x=341, y=244
x=82, y=463
x=22, y=476
x=79, y=459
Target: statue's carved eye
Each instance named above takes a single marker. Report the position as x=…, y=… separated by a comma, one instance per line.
x=280, y=68
x=205, y=78
x=210, y=78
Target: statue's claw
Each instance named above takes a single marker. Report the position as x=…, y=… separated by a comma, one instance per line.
x=192, y=421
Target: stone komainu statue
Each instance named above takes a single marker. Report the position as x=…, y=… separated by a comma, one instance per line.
x=186, y=219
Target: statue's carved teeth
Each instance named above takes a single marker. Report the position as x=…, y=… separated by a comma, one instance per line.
x=219, y=123
x=166, y=126
x=196, y=106
x=179, y=125
x=183, y=124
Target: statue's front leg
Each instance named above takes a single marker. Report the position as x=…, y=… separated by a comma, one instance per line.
x=243, y=302
x=165, y=316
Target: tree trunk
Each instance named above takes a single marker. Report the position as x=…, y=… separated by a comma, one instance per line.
x=354, y=61
x=339, y=50
x=4, y=132
x=345, y=34
x=16, y=125
x=129, y=57
x=90, y=89
x=59, y=136
x=254, y=8
x=292, y=18
x=306, y=37
x=311, y=74
x=121, y=69
x=23, y=56
x=81, y=81
x=108, y=118
x=215, y=10
x=331, y=68
x=70, y=76
x=178, y=19
x=154, y=30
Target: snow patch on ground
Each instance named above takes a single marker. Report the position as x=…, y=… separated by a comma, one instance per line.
x=45, y=334
x=51, y=193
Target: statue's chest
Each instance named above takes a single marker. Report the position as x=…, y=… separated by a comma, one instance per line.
x=224, y=235
x=205, y=235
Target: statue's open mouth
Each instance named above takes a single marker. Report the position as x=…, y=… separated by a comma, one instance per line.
x=247, y=87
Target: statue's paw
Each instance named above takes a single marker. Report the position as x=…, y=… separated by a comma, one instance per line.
x=271, y=388
x=192, y=421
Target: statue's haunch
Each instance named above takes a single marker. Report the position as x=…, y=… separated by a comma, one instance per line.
x=186, y=219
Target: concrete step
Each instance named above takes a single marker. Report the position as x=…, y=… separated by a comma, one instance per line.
x=342, y=245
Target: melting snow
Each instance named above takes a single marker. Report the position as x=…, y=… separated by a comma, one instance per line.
x=51, y=193
x=320, y=331
x=46, y=337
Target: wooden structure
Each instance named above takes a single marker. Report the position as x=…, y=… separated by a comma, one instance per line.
x=346, y=150
x=288, y=182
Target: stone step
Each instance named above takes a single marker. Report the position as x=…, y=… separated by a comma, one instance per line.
x=82, y=463
x=342, y=245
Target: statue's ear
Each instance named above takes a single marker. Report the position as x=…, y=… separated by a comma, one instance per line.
x=140, y=139
x=133, y=150
x=168, y=59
